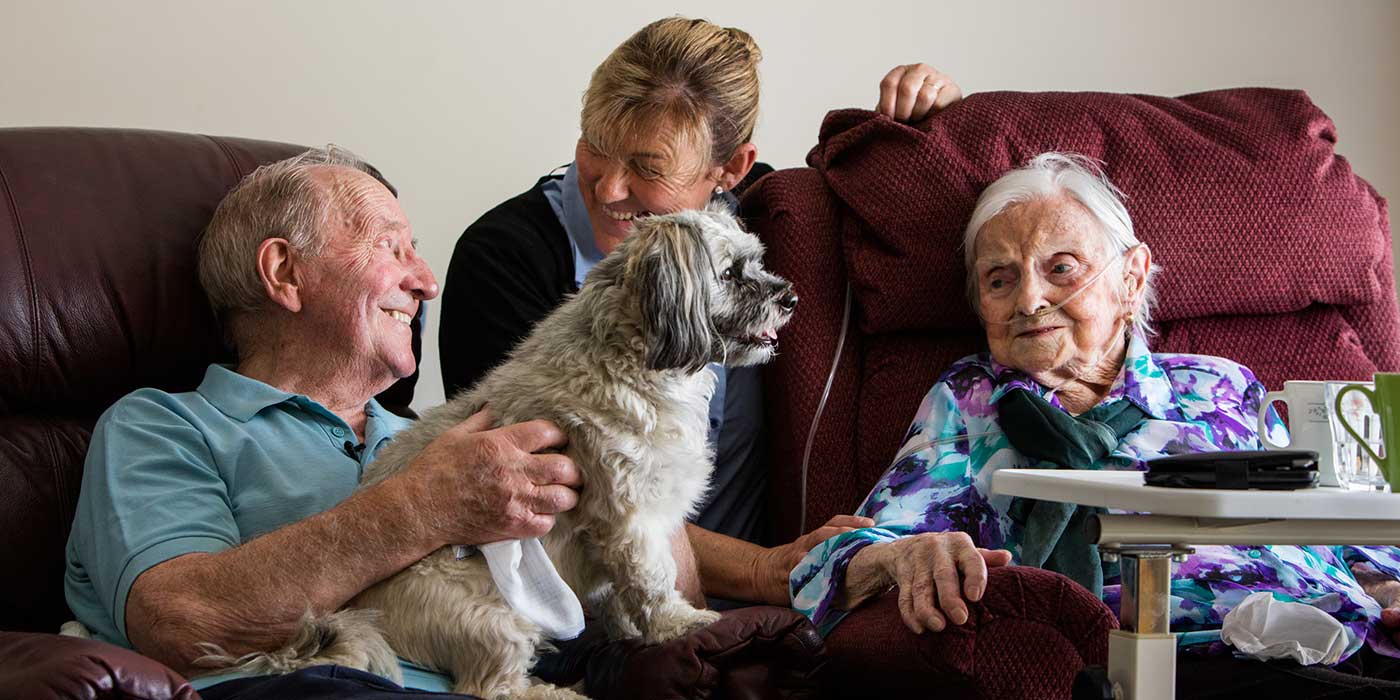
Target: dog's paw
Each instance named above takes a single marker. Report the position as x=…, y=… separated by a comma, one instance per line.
x=676, y=620
x=617, y=618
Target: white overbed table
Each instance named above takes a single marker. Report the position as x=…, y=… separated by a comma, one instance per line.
x=1163, y=524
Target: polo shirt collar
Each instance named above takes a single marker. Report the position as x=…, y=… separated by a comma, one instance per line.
x=381, y=424
x=239, y=397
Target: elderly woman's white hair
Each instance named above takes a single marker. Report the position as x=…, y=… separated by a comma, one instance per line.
x=1053, y=174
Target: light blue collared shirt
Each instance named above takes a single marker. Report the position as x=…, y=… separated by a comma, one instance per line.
x=204, y=471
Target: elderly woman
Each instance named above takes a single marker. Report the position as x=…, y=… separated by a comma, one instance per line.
x=667, y=124
x=1064, y=290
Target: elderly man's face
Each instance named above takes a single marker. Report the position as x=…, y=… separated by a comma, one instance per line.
x=365, y=288
x=654, y=176
x=1031, y=257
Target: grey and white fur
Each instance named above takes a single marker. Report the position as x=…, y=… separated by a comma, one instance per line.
x=620, y=368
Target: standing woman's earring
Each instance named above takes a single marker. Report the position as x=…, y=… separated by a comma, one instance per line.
x=719, y=189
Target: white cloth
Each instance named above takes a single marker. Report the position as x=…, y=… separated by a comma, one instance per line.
x=529, y=582
x=1265, y=628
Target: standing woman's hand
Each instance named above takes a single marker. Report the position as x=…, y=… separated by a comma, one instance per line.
x=910, y=93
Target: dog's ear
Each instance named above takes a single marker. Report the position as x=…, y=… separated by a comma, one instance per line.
x=671, y=274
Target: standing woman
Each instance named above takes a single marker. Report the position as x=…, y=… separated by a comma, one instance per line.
x=667, y=125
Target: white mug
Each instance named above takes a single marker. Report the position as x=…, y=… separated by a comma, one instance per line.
x=1308, y=425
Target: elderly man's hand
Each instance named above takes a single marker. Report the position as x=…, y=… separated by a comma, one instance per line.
x=481, y=485
x=935, y=571
x=909, y=93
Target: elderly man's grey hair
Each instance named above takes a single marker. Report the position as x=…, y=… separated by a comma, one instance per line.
x=1053, y=174
x=278, y=200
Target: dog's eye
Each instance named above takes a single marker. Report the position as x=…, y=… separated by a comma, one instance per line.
x=727, y=275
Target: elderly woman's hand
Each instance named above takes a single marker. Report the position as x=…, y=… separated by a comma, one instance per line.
x=1386, y=591
x=909, y=93
x=935, y=572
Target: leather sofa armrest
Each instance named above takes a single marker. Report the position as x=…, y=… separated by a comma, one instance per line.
x=1029, y=636
x=51, y=667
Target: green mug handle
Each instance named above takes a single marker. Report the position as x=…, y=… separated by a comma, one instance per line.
x=1370, y=398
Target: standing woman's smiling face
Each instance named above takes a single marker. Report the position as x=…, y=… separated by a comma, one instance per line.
x=1033, y=256
x=656, y=173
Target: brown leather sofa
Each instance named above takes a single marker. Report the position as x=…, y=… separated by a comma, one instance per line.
x=99, y=296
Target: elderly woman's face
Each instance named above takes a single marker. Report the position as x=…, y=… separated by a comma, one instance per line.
x=1033, y=256
x=654, y=176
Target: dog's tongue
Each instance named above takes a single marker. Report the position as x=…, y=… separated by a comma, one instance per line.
x=770, y=334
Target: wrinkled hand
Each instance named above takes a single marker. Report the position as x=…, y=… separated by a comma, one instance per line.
x=1386, y=591
x=935, y=571
x=909, y=93
x=788, y=555
x=778, y=562
x=484, y=485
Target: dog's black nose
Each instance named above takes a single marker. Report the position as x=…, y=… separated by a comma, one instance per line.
x=788, y=301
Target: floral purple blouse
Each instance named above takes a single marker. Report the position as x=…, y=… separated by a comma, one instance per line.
x=941, y=481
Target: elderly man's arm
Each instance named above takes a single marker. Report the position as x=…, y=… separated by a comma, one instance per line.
x=468, y=487
x=251, y=597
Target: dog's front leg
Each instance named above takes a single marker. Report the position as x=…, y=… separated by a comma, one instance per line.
x=637, y=557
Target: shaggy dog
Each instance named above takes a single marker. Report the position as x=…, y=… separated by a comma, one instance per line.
x=620, y=368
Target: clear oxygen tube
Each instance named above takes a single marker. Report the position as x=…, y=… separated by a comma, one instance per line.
x=1120, y=321
x=1056, y=307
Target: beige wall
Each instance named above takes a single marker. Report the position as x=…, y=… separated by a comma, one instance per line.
x=463, y=104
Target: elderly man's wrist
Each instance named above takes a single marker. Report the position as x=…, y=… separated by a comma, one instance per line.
x=399, y=501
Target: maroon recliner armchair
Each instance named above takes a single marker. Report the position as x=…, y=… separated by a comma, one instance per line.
x=1273, y=253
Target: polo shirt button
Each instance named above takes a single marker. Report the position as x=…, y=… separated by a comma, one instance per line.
x=338, y=432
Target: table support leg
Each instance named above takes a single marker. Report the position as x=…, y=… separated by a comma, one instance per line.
x=1142, y=655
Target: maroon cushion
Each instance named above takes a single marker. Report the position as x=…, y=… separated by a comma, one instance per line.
x=1238, y=192
x=1027, y=638
x=795, y=215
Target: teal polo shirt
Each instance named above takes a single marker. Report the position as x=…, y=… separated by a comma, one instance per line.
x=203, y=471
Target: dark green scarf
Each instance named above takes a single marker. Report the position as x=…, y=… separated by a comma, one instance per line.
x=1054, y=534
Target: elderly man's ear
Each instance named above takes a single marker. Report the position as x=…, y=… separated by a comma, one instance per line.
x=1135, y=271
x=281, y=276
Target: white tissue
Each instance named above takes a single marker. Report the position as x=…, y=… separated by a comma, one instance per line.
x=528, y=581
x=1265, y=628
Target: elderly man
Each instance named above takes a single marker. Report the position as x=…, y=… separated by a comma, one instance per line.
x=221, y=516
x=224, y=514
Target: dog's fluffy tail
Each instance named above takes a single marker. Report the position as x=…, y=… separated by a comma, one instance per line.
x=346, y=638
